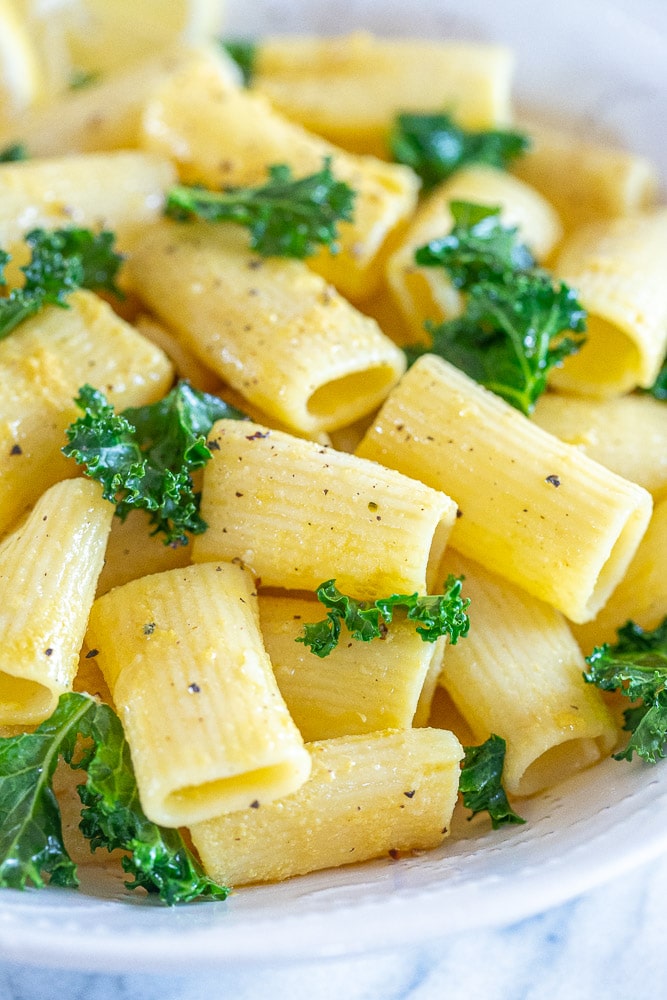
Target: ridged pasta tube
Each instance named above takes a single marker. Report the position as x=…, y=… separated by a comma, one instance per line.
x=220, y=134
x=183, y=657
x=618, y=268
x=518, y=674
x=272, y=329
x=361, y=686
x=349, y=88
x=367, y=796
x=42, y=366
x=533, y=509
x=297, y=514
x=48, y=572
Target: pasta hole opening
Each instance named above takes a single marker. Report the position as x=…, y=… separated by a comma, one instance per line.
x=239, y=791
x=608, y=363
x=619, y=559
x=557, y=764
x=23, y=701
x=351, y=396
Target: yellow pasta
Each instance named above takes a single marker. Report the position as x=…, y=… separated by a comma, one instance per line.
x=426, y=293
x=360, y=687
x=349, y=88
x=119, y=191
x=618, y=269
x=270, y=328
x=518, y=674
x=533, y=509
x=297, y=513
x=48, y=572
x=367, y=796
x=627, y=434
x=183, y=657
x=42, y=366
x=219, y=134
x=586, y=181
x=641, y=596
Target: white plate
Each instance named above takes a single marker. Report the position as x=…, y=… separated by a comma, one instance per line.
x=603, y=63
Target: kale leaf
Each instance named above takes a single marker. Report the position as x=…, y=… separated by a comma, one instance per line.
x=61, y=261
x=436, y=147
x=144, y=456
x=436, y=615
x=636, y=665
x=31, y=844
x=659, y=387
x=287, y=217
x=517, y=323
x=244, y=54
x=480, y=782
x=14, y=153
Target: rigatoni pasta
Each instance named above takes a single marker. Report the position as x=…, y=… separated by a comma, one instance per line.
x=49, y=568
x=184, y=660
x=270, y=328
x=530, y=507
x=297, y=513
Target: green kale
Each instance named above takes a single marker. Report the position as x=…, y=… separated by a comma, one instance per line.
x=436, y=147
x=437, y=614
x=287, y=217
x=244, y=54
x=480, y=782
x=636, y=666
x=144, y=456
x=61, y=261
x=516, y=324
x=31, y=843
x=14, y=153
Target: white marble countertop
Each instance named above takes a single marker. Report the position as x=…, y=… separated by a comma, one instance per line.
x=607, y=943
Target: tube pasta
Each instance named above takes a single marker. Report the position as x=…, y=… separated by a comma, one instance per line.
x=298, y=514
x=367, y=796
x=360, y=687
x=627, y=434
x=48, y=572
x=543, y=514
x=585, y=181
x=198, y=112
x=519, y=674
x=270, y=328
x=618, y=268
x=426, y=293
x=120, y=191
x=42, y=366
x=642, y=593
x=184, y=660
x=349, y=88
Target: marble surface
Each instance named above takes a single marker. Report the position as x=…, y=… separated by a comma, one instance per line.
x=608, y=943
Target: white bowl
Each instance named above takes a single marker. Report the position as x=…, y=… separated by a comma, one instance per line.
x=603, y=66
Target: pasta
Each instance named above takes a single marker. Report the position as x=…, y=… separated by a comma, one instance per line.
x=282, y=733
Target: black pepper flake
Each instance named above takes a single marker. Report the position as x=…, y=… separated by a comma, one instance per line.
x=48, y=652
x=149, y=628
x=411, y=794
x=257, y=436
x=238, y=494
x=255, y=804
x=393, y=853
x=213, y=445
x=459, y=512
x=554, y=480
x=194, y=688
x=16, y=450
x=91, y=653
